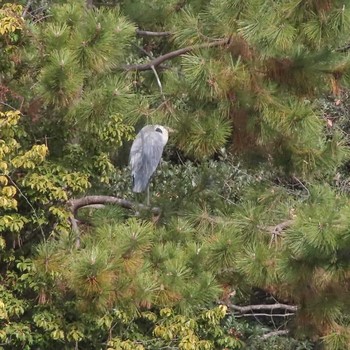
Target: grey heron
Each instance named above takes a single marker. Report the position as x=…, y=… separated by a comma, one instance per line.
x=145, y=154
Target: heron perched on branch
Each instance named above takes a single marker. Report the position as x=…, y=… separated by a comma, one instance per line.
x=145, y=154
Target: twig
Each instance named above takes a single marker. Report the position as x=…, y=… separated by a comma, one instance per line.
x=30, y=204
x=343, y=49
x=278, y=229
x=25, y=11
x=157, y=61
x=159, y=107
x=41, y=18
x=143, y=51
x=7, y=105
x=302, y=185
x=158, y=82
x=244, y=309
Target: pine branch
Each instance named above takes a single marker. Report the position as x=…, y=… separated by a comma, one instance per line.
x=99, y=201
x=157, y=61
x=244, y=309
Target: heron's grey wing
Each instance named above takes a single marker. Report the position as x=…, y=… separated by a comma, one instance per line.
x=145, y=155
x=153, y=147
x=136, y=152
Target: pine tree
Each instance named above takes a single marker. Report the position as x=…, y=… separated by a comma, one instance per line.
x=238, y=81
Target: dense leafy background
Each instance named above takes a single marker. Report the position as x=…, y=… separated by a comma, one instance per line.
x=253, y=187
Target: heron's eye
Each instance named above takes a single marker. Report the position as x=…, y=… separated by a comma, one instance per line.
x=159, y=130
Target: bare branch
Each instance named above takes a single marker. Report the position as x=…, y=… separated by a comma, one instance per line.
x=275, y=333
x=7, y=105
x=28, y=202
x=97, y=202
x=278, y=229
x=76, y=204
x=157, y=61
x=244, y=309
x=302, y=185
x=343, y=49
x=143, y=51
x=26, y=8
x=149, y=33
x=265, y=315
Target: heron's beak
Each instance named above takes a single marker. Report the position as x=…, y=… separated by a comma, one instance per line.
x=170, y=130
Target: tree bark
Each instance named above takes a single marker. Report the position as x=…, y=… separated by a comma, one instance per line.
x=75, y=204
x=244, y=309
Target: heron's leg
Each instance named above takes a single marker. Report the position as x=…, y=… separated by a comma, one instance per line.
x=147, y=200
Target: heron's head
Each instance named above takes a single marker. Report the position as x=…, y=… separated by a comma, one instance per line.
x=162, y=130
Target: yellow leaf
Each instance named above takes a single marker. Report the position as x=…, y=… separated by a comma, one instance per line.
x=9, y=191
x=3, y=166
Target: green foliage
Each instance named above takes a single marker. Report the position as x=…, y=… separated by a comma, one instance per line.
x=107, y=283
x=216, y=185
x=10, y=20
x=271, y=69
x=137, y=271
x=11, y=26
x=79, y=50
x=255, y=332
x=27, y=179
x=170, y=329
x=150, y=14
x=250, y=192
